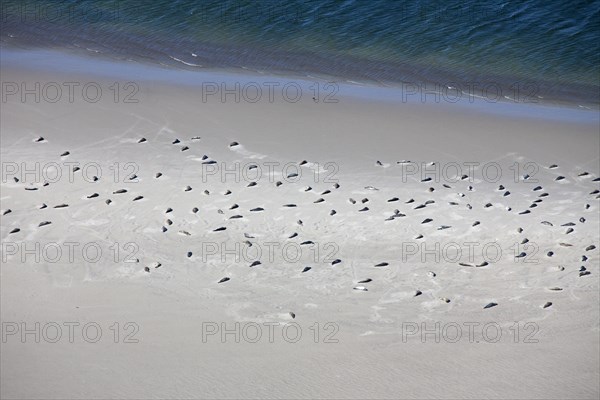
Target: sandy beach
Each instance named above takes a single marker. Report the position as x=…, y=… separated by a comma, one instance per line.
x=374, y=247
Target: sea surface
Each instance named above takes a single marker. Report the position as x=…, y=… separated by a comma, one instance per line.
x=520, y=51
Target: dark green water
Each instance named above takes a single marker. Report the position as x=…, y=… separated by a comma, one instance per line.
x=540, y=49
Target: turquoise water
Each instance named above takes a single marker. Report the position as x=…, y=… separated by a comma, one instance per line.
x=538, y=50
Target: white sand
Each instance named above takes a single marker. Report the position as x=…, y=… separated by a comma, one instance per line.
x=371, y=359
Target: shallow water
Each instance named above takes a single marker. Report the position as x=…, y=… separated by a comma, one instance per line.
x=527, y=51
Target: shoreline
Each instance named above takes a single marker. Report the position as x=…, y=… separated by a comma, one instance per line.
x=496, y=103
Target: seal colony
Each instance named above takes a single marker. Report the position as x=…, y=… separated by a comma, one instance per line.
x=307, y=201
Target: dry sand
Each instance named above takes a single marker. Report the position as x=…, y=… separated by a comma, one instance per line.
x=369, y=343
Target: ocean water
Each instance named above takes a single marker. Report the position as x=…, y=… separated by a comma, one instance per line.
x=521, y=51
